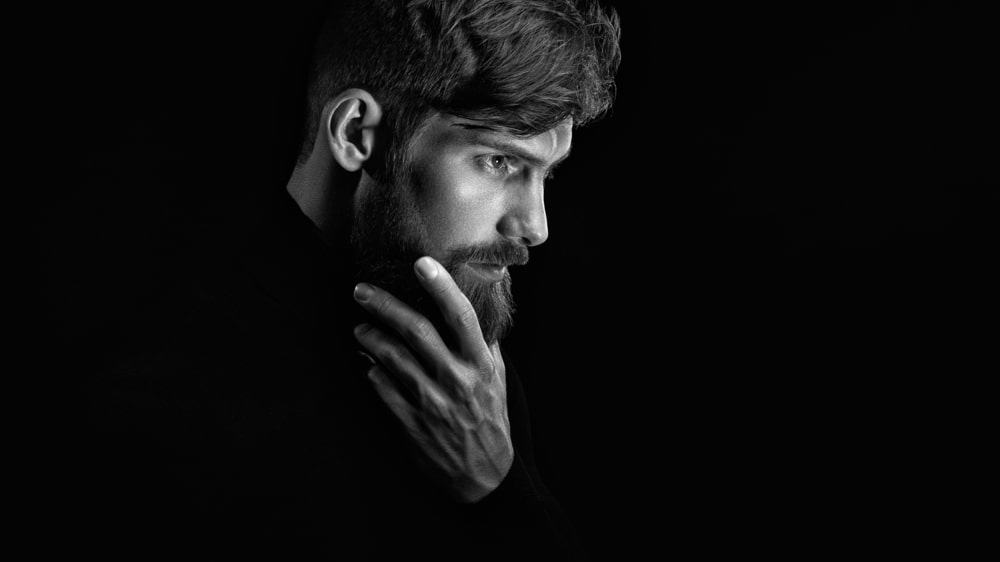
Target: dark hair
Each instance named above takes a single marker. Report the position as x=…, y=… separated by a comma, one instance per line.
x=522, y=66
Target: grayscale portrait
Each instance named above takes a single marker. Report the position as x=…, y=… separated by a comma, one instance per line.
x=512, y=280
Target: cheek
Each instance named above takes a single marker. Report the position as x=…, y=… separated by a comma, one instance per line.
x=460, y=207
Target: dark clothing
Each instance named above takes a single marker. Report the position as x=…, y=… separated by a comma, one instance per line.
x=237, y=422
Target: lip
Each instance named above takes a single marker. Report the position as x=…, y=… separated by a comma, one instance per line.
x=489, y=271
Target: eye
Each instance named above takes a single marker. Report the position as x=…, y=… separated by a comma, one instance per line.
x=497, y=164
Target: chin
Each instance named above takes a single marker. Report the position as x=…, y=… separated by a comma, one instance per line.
x=492, y=301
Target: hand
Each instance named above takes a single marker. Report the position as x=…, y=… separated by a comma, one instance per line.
x=452, y=403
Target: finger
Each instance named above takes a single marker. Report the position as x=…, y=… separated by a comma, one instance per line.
x=393, y=398
x=412, y=420
x=454, y=305
x=418, y=332
x=391, y=353
x=497, y=354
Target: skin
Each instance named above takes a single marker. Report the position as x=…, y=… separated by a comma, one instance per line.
x=472, y=186
x=452, y=401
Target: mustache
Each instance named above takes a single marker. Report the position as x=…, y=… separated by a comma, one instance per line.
x=501, y=253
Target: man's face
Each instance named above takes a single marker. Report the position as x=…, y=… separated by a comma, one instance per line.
x=471, y=198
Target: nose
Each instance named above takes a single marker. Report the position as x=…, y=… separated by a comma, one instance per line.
x=525, y=220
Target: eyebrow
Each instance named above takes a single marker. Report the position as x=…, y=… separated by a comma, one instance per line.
x=488, y=136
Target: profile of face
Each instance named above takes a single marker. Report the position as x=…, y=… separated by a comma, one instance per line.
x=471, y=197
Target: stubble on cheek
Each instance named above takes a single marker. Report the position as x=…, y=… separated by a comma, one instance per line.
x=430, y=204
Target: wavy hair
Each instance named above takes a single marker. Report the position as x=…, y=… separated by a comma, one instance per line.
x=520, y=66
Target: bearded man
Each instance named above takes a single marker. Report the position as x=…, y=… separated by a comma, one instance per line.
x=243, y=424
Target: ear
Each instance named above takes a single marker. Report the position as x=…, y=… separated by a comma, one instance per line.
x=351, y=120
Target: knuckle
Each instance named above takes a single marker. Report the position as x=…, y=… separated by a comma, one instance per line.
x=442, y=287
x=488, y=370
x=392, y=356
x=455, y=376
x=466, y=316
x=382, y=304
x=420, y=329
x=430, y=401
x=465, y=382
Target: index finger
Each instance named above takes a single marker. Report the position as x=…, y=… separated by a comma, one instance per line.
x=454, y=305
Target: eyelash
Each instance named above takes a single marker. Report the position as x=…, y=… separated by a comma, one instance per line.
x=484, y=162
x=507, y=169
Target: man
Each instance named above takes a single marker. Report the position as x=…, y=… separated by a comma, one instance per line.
x=239, y=421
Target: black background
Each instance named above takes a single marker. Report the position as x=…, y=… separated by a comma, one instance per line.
x=766, y=311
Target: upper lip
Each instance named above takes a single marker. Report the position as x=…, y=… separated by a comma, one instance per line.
x=487, y=264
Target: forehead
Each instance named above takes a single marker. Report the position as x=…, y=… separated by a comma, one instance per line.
x=443, y=131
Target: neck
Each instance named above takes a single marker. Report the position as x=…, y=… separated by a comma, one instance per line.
x=322, y=191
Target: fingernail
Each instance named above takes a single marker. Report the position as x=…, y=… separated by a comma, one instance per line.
x=367, y=357
x=363, y=292
x=426, y=268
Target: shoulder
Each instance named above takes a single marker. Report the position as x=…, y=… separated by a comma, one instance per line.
x=208, y=342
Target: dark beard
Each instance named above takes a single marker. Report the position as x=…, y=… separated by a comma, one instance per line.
x=386, y=242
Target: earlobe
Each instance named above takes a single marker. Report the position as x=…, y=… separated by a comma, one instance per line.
x=351, y=120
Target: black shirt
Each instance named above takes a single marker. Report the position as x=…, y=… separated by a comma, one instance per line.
x=234, y=421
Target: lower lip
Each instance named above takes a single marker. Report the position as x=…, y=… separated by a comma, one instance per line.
x=491, y=273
